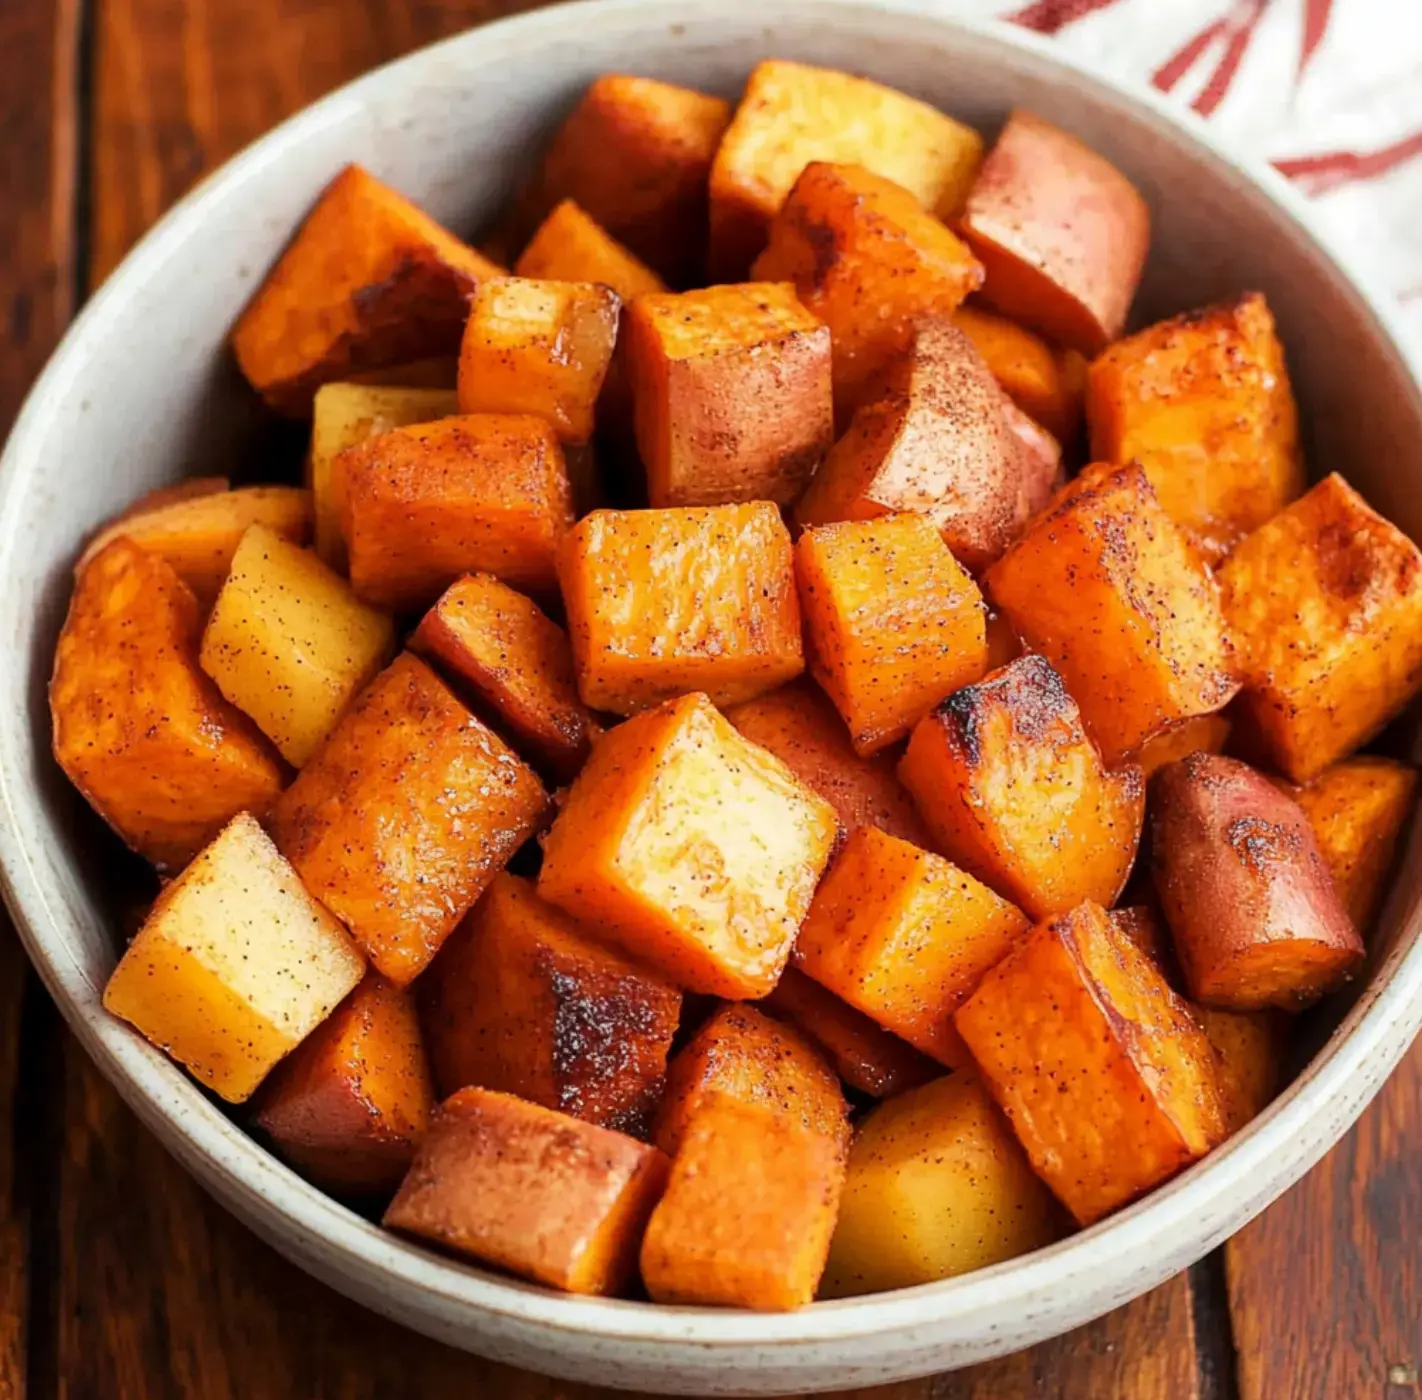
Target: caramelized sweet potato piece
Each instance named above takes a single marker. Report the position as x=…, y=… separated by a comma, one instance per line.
x=1107, y=587
x=1083, y=1044
x=138, y=728
x=1249, y=1059
x=1003, y=644
x=792, y=114
x=1025, y=366
x=695, y=850
x=904, y=936
x=1255, y=918
x=405, y=815
x=661, y=602
x=893, y=621
x=189, y=489
x=1325, y=606
x=1016, y=794
x=369, y=281
x=545, y=1196
x=1142, y=924
x=349, y=1106
x=427, y=503
x=1061, y=233
x=1203, y=734
x=571, y=246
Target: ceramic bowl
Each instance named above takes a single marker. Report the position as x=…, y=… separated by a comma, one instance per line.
x=142, y=392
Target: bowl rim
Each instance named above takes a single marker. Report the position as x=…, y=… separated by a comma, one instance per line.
x=1274, y=1147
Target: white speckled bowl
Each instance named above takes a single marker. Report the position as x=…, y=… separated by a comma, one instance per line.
x=141, y=392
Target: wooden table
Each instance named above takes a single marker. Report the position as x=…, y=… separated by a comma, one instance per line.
x=118, y=1278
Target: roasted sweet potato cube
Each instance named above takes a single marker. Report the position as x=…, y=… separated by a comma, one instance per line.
x=741, y=1053
x=1145, y=927
x=905, y=936
x=543, y=1195
x=405, y=815
x=1325, y=607
x=933, y=439
x=801, y=728
x=695, y=850
x=696, y=360
x=1249, y=1058
x=433, y=372
x=894, y=622
x=1252, y=909
x=520, y=999
x=1203, y=734
x=349, y=1105
x=1106, y=586
x=191, y=488
x=1042, y=472
x=1203, y=403
x=1025, y=366
x=870, y=261
x=482, y=492
x=1085, y=1047
x=369, y=281
x=792, y=115
x=748, y=1212
x=662, y=602
x=571, y=246
x=235, y=964
x=1015, y=792
x=516, y=661
x=1003, y=644
x=1060, y=231
x=137, y=727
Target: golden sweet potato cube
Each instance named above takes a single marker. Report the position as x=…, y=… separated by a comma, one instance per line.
x=137, y=727
x=933, y=439
x=1015, y=792
x=1003, y=644
x=519, y=1186
x=893, y=620
x=191, y=488
x=235, y=964
x=1249, y=1058
x=1203, y=734
x=521, y=1000
x=792, y=114
x=346, y=415
x=482, y=492
x=513, y=658
x=694, y=850
x=696, y=361
x=349, y=1105
x=1108, y=588
x=289, y=644
x=404, y=816
x=369, y=281
x=662, y=602
x=748, y=1212
x=870, y=261
x=905, y=936
x=1325, y=607
x=1085, y=1047
x=571, y=246
x=1030, y=373
x=1202, y=401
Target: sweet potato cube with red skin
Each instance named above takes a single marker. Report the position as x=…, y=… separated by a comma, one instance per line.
x=1042, y=473
x=138, y=727
x=1016, y=794
x=571, y=246
x=524, y=1188
x=870, y=261
x=1085, y=1047
x=932, y=439
x=1108, y=588
x=520, y=999
x=866, y=1056
x=369, y=281
x=748, y=1212
x=349, y=1105
x=1325, y=607
x=515, y=660
x=1249, y=1058
x=1252, y=908
x=893, y=620
x=1061, y=233
x=1203, y=734
x=1031, y=373
x=696, y=360
x=405, y=815
x=799, y=725
x=663, y=602
x=904, y=936
x=741, y=1053
x=693, y=849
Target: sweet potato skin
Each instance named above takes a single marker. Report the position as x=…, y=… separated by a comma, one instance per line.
x=571, y=246
x=137, y=727
x=1042, y=472
x=1255, y=918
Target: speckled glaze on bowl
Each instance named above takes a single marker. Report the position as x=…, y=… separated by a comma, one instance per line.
x=142, y=391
